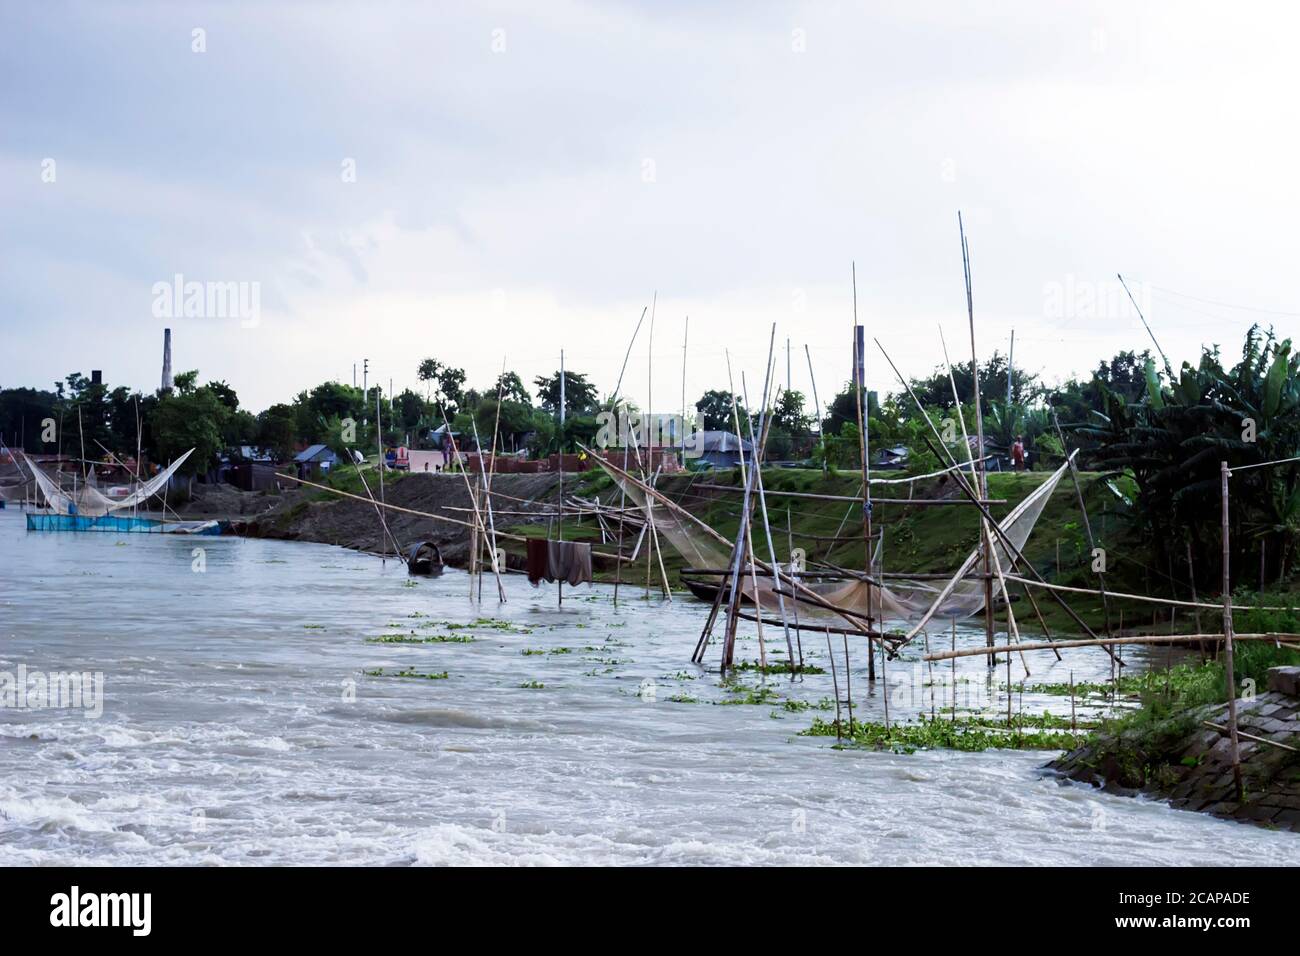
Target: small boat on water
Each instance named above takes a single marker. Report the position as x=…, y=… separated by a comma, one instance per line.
x=424, y=559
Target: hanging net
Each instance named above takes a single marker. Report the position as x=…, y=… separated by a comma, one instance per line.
x=89, y=500
x=903, y=600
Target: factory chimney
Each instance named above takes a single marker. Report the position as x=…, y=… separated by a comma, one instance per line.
x=167, y=360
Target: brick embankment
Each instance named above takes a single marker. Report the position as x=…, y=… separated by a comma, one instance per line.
x=1189, y=763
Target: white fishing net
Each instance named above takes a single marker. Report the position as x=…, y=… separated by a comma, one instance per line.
x=89, y=500
x=903, y=600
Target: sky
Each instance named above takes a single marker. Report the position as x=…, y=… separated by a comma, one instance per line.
x=491, y=184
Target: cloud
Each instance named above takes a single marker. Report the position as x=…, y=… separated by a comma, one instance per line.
x=526, y=178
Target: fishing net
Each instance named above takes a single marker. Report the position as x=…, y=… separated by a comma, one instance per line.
x=903, y=600
x=89, y=500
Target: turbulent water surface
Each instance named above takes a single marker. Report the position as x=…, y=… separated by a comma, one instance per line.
x=248, y=719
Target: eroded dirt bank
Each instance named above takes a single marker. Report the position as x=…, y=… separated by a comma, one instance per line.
x=311, y=515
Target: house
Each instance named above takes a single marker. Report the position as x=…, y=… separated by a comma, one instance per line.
x=717, y=449
x=314, y=460
x=891, y=458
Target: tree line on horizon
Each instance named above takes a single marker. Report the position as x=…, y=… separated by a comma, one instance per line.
x=1164, y=430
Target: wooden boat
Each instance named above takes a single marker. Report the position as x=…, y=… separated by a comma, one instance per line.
x=424, y=559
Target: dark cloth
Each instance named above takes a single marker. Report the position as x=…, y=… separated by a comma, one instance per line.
x=568, y=561
x=539, y=560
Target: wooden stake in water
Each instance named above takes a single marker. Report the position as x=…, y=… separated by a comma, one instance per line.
x=1074, y=721
x=930, y=665
x=954, y=669
x=835, y=682
x=1229, y=673
x=848, y=681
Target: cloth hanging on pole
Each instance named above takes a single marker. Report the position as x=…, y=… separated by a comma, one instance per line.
x=550, y=561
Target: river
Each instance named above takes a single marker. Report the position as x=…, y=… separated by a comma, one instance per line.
x=242, y=723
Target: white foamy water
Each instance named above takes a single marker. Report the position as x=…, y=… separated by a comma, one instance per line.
x=240, y=726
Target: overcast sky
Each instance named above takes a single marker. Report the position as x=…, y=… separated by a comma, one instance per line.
x=528, y=175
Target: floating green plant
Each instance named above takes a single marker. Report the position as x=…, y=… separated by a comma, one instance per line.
x=413, y=638
x=780, y=667
x=408, y=672
x=964, y=733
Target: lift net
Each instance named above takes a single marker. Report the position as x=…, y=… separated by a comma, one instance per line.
x=89, y=500
x=902, y=601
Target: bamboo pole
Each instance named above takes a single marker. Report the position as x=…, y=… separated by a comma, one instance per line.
x=686, y=333
x=954, y=668
x=762, y=505
x=733, y=603
x=490, y=539
x=835, y=683
x=649, y=451
x=1230, y=676
x=1173, y=602
x=811, y=496
x=1087, y=524
x=1012, y=629
x=1104, y=641
x=378, y=512
x=848, y=684
x=659, y=551
x=975, y=479
x=979, y=426
x=859, y=372
x=379, y=461
x=972, y=494
x=817, y=408
x=1252, y=738
x=478, y=516
x=749, y=537
x=804, y=593
x=613, y=405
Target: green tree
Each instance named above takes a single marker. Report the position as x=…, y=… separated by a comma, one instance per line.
x=580, y=396
x=715, y=409
x=511, y=389
x=276, y=431
x=185, y=420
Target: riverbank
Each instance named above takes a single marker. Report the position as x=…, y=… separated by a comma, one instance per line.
x=919, y=539
x=1185, y=757
x=310, y=514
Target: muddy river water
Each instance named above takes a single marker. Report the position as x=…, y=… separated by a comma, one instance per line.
x=248, y=715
